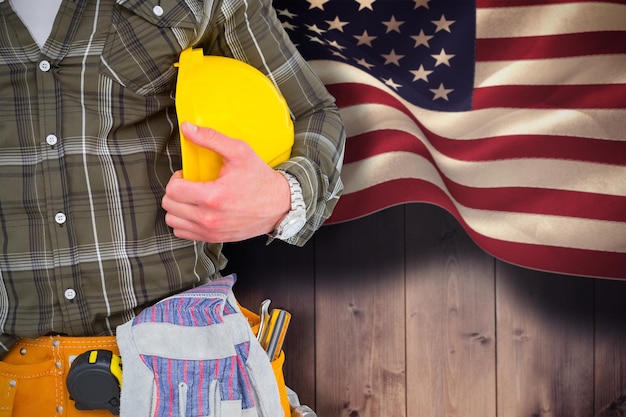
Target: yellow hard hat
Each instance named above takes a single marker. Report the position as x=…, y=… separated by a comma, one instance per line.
x=233, y=98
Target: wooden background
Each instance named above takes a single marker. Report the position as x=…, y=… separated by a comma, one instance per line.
x=401, y=314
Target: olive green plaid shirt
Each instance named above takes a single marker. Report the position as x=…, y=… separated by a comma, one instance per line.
x=89, y=139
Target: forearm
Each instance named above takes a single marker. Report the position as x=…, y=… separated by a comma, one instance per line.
x=252, y=33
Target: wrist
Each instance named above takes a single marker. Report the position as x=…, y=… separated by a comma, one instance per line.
x=295, y=218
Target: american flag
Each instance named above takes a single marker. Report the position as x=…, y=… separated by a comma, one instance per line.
x=510, y=114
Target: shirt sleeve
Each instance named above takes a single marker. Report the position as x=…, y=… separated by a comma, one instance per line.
x=250, y=31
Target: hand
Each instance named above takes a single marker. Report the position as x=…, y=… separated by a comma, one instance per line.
x=248, y=198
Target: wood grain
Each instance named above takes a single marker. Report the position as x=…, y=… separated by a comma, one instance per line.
x=545, y=343
x=610, y=348
x=360, y=317
x=450, y=309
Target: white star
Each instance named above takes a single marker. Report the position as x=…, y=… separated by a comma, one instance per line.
x=314, y=28
x=443, y=24
x=393, y=25
x=365, y=39
x=392, y=84
x=420, y=74
x=421, y=39
x=286, y=13
x=364, y=63
x=316, y=39
x=339, y=54
x=421, y=3
x=443, y=58
x=289, y=26
x=336, y=24
x=365, y=4
x=441, y=92
x=317, y=4
x=336, y=45
x=392, y=58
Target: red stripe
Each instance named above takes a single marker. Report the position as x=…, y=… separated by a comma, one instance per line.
x=531, y=200
x=551, y=97
x=540, y=201
x=547, y=258
x=553, y=46
x=514, y=3
x=490, y=149
x=480, y=149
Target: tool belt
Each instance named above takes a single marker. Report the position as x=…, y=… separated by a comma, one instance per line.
x=81, y=376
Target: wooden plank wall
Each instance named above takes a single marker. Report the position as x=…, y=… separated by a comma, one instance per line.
x=401, y=314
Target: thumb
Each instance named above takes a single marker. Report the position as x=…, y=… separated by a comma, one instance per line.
x=210, y=139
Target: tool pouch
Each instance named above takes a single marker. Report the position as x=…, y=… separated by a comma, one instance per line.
x=277, y=365
x=194, y=354
x=7, y=395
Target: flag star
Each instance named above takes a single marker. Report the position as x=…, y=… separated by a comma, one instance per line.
x=316, y=39
x=336, y=45
x=365, y=39
x=420, y=74
x=443, y=58
x=364, y=63
x=443, y=24
x=319, y=4
x=365, y=4
x=391, y=83
x=336, y=24
x=421, y=39
x=393, y=25
x=421, y=3
x=339, y=54
x=441, y=92
x=314, y=28
x=289, y=26
x=392, y=58
x=286, y=13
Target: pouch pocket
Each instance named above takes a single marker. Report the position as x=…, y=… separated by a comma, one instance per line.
x=8, y=388
x=254, y=321
x=26, y=389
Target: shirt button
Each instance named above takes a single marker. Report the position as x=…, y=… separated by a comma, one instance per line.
x=51, y=140
x=44, y=66
x=70, y=294
x=60, y=218
x=157, y=10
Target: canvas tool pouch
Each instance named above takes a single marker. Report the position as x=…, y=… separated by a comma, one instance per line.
x=194, y=354
x=33, y=375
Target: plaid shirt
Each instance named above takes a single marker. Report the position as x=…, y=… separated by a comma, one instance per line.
x=89, y=139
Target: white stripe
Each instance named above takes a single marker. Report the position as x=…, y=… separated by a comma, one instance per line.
x=4, y=304
x=596, y=124
x=513, y=227
x=561, y=71
x=507, y=22
x=86, y=168
x=116, y=217
x=523, y=172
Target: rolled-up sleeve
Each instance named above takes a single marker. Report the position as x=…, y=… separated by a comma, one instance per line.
x=250, y=31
